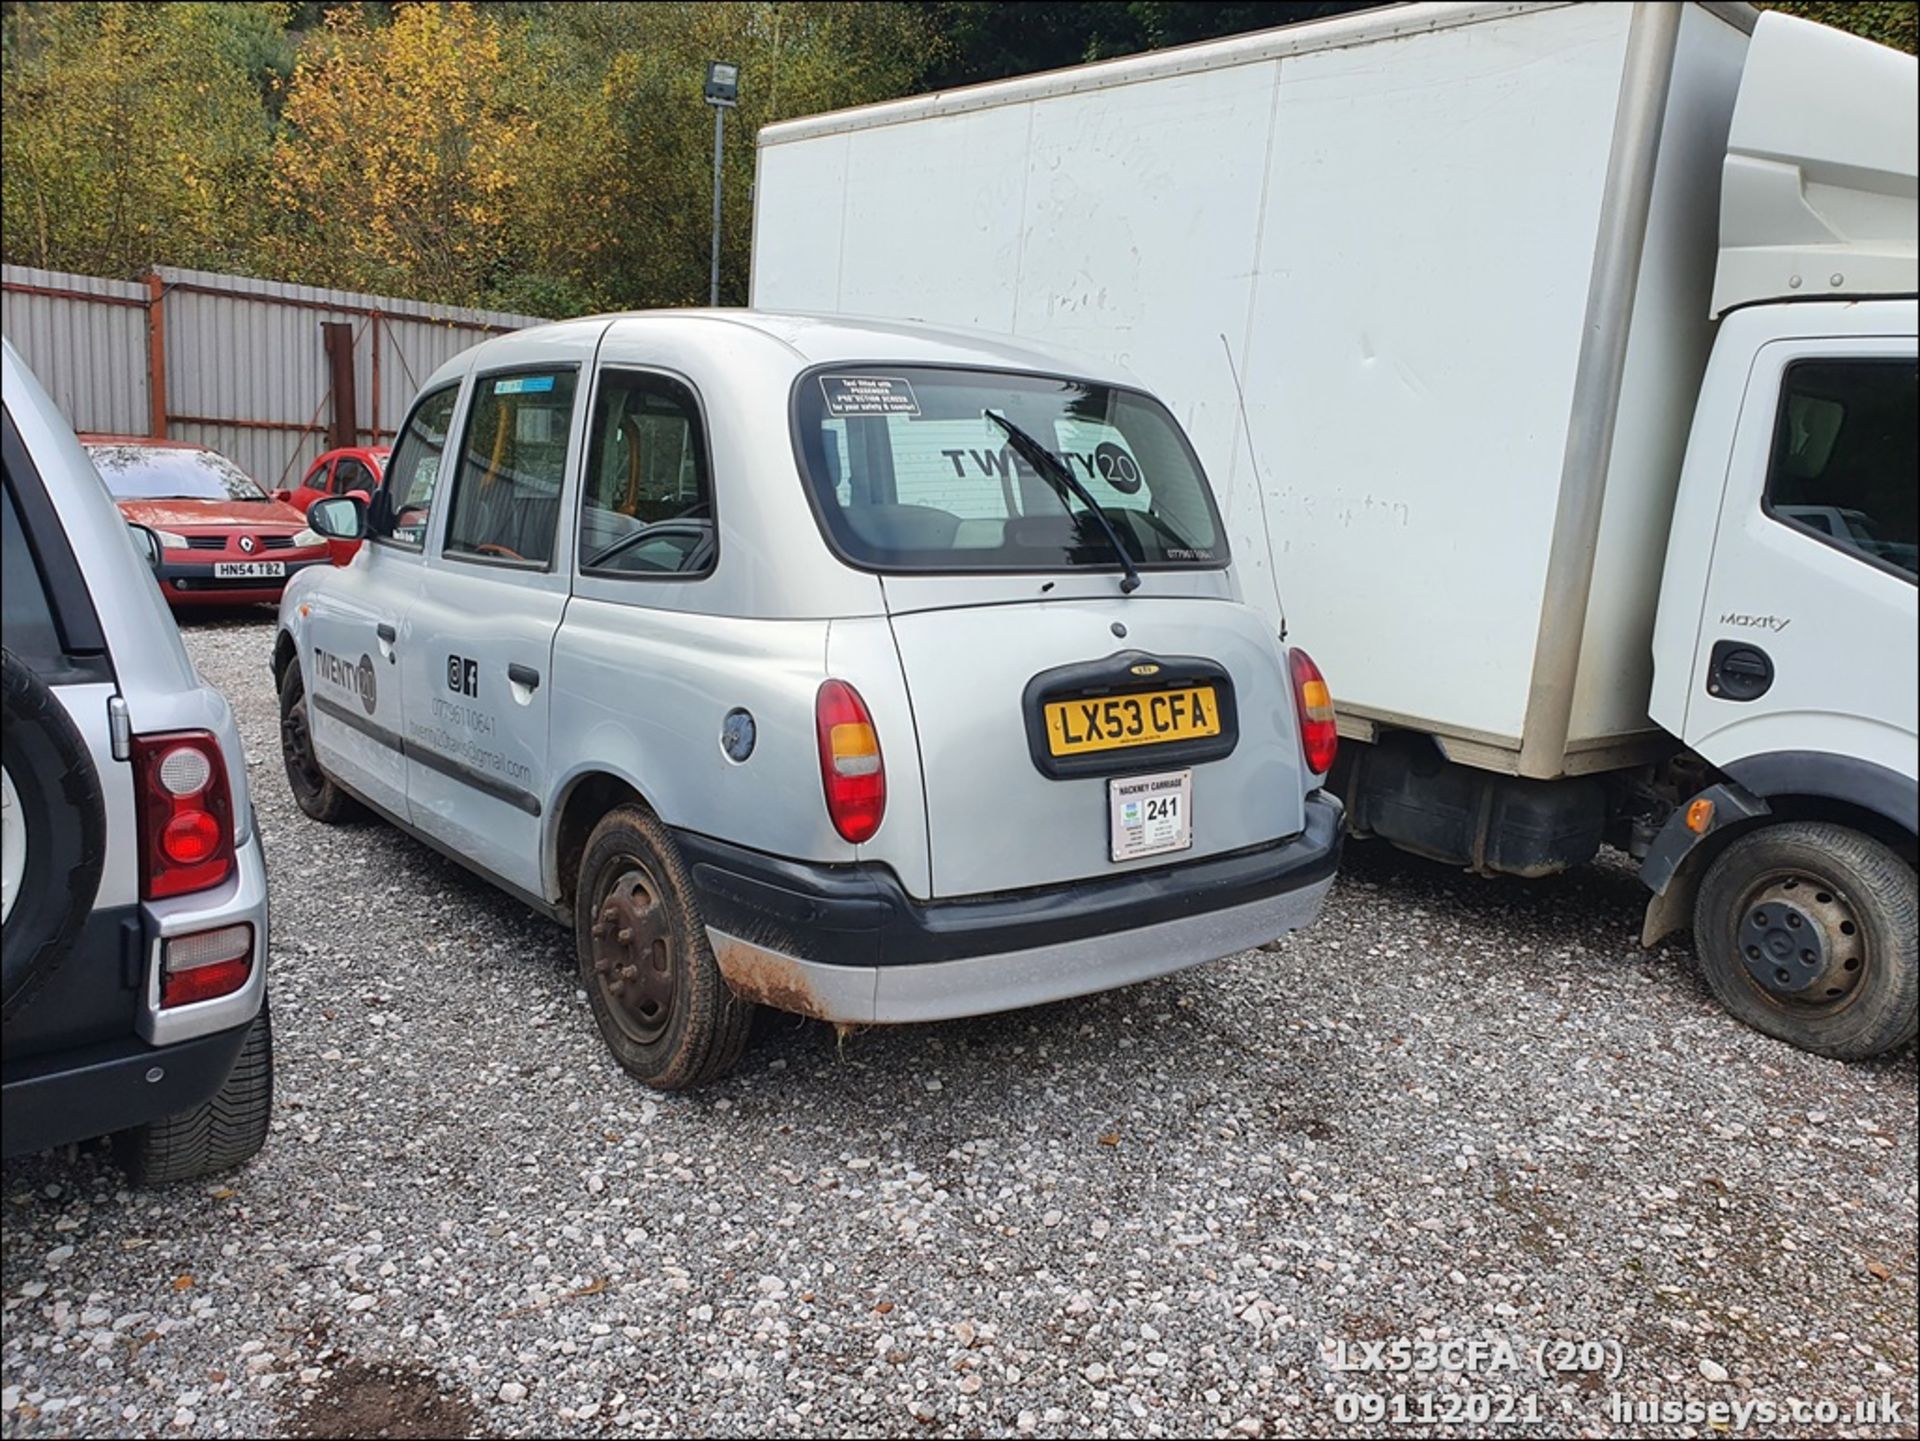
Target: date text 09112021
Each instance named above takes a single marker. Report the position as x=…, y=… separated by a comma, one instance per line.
x=1426, y=1408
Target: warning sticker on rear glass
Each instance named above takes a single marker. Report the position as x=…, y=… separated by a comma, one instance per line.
x=850, y=395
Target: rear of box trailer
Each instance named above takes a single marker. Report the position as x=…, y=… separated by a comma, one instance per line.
x=1414, y=236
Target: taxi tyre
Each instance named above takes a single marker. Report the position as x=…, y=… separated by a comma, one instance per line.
x=215, y=1136
x=323, y=801
x=65, y=821
x=707, y=1025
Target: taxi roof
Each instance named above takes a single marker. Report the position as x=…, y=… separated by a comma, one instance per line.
x=808, y=339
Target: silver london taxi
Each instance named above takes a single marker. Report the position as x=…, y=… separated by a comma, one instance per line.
x=865, y=671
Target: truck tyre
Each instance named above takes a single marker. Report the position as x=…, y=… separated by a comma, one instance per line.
x=316, y=793
x=662, y=1005
x=216, y=1136
x=55, y=844
x=1806, y=930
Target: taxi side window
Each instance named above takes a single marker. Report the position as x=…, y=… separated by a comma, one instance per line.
x=506, y=505
x=413, y=472
x=648, y=503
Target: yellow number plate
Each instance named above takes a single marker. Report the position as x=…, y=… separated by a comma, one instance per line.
x=1107, y=723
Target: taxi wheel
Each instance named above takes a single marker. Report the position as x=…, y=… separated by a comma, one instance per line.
x=314, y=791
x=662, y=1005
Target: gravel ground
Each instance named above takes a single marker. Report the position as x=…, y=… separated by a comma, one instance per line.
x=1457, y=1109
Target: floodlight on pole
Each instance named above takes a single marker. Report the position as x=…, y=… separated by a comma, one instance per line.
x=722, y=93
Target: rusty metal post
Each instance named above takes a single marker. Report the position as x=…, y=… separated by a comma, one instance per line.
x=343, y=427
x=156, y=357
x=374, y=341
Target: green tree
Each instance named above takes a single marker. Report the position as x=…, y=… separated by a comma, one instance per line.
x=552, y=158
x=1891, y=22
x=402, y=157
x=991, y=40
x=621, y=215
x=134, y=134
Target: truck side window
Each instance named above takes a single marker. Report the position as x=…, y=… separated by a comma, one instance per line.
x=648, y=507
x=1845, y=458
x=506, y=503
x=414, y=468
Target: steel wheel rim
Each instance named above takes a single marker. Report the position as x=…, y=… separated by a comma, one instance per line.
x=1800, y=943
x=13, y=844
x=634, y=954
x=296, y=743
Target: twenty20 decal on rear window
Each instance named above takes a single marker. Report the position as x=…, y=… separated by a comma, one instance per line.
x=913, y=468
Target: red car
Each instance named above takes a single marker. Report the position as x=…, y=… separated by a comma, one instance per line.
x=223, y=540
x=339, y=472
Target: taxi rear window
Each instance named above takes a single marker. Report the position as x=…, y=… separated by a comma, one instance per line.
x=913, y=468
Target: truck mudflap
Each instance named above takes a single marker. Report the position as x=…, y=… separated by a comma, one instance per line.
x=1708, y=816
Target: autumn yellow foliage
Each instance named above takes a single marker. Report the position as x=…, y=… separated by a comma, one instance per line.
x=545, y=158
x=404, y=150
x=127, y=140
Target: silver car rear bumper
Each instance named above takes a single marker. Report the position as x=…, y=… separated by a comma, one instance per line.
x=981, y=985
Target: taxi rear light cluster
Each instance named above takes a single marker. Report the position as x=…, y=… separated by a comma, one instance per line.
x=1319, y=735
x=205, y=965
x=186, y=813
x=852, y=772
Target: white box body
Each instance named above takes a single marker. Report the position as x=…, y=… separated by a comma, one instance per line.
x=1392, y=219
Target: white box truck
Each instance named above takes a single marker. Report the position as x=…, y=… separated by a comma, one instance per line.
x=1555, y=365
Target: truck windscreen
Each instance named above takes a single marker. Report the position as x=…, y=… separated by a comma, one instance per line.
x=910, y=471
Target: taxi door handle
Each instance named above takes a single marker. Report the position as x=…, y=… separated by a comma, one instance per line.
x=524, y=675
x=386, y=632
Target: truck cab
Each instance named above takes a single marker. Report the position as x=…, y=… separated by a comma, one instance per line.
x=1786, y=639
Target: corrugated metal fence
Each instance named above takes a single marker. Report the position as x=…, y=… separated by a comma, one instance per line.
x=267, y=373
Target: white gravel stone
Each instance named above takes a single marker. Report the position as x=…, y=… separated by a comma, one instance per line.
x=1183, y=1188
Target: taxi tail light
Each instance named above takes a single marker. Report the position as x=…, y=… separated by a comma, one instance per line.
x=186, y=813
x=205, y=964
x=1319, y=736
x=852, y=772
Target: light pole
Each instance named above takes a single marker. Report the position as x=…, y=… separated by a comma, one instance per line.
x=723, y=93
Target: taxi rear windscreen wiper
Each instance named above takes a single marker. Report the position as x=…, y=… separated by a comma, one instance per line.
x=1052, y=470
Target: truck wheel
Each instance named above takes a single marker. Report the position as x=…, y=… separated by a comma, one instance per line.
x=663, y=1007
x=314, y=791
x=55, y=842
x=1806, y=931
x=217, y=1136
